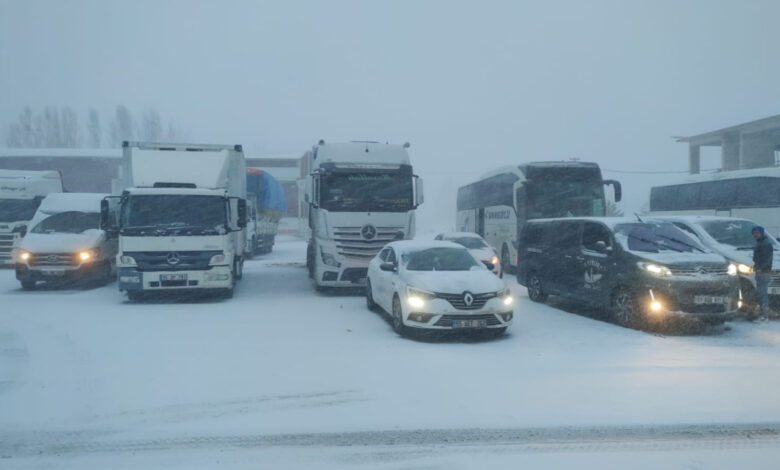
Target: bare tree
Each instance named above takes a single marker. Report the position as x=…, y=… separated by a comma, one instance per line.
x=122, y=127
x=94, y=130
x=69, y=128
x=150, y=128
x=52, y=131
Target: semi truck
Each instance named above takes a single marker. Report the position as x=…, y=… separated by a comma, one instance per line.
x=181, y=218
x=267, y=206
x=361, y=195
x=21, y=192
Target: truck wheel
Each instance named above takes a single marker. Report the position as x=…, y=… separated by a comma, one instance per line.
x=135, y=295
x=253, y=251
x=310, y=250
x=105, y=274
x=506, y=266
x=28, y=285
x=534, y=286
x=370, y=297
x=238, y=269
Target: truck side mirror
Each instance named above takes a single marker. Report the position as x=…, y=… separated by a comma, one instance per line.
x=241, y=213
x=108, y=221
x=419, y=196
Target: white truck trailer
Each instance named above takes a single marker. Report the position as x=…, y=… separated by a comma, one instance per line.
x=361, y=196
x=21, y=192
x=181, y=218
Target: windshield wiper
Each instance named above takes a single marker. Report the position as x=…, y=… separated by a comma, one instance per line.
x=653, y=242
x=681, y=243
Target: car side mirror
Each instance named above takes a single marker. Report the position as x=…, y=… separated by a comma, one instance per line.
x=489, y=265
x=387, y=267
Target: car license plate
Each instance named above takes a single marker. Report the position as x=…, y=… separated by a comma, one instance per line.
x=469, y=323
x=53, y=272
x=709, y=299
x=774, y=290
x=173, y=277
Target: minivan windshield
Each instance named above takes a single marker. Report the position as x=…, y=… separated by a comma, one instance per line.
x=68, y=222
x=439, y=259
x=655, y=238
x=736, y=233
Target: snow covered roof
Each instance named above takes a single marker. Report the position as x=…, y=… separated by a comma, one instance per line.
x=61, y=152
x=361, y=152
x=610, y=222
x=191, y=191
x=407, y=246
x=769, y=172
x=697, y=218
x=459, y=235
x=62, y=202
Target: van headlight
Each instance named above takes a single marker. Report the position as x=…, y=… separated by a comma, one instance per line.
x=87, y=256
x=656, y=269
x=742, y=269
x=417, y=297
x=25, y=255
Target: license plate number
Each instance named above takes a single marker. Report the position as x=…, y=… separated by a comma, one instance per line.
x=173, y=277
x=53, y=272
x=774, y=290
x=469, y=323
x=709, y=299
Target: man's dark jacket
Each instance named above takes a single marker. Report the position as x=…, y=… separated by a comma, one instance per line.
x=762, y=255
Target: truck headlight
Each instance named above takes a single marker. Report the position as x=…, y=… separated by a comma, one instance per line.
x=24, y=255
x=217, y=259
x=656, y=269
x=417, y=297
x=127, y=260
x=329, y=259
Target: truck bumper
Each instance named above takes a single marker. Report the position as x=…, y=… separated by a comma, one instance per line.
x=218, y=277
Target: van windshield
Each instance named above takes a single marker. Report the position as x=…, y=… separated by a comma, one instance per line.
x=655, y=238
x=68, y=222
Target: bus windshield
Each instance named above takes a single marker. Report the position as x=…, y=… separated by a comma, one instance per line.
x=565, y=198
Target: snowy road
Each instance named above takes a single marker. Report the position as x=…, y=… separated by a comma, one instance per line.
x=283, y=374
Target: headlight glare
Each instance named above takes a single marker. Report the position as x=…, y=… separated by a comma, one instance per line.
x=24, y=255
x=744, y=268
x=656, y=269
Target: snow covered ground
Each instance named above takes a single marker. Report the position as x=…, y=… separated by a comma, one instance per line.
x=283, y=377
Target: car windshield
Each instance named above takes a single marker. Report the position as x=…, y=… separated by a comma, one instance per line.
x=439, y=259
x=469, y=242
x=68, y=222
x=736, y=233
x=655, y=238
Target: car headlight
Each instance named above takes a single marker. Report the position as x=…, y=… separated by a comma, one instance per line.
x=494, y=260
x=217, y=259
x=744, y=268
x=329, y=259
x=87, y=256
x=417, y=297
x=656, y=269
x=127, y=260
x=505, y=296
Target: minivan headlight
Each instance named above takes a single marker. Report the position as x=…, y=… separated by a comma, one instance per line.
x=87, y=256
x=744, y=268
x=656, y=269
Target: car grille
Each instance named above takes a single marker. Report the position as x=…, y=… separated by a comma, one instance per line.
x=158, y=260
x=351, y=244
x=446, y=320
x=699, y=270
x=457, y=301
x=53, y=259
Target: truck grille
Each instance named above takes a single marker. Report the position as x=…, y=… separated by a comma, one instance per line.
x=446, y=320
x=362, y=242
x=182, y=260
x=53, y=259
x=458, y=301
x=6, y=245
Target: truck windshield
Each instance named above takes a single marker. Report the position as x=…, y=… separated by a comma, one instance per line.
x=15, y=210
x=178, y=214
x=655, y=238
x=366, y=191
x=68, y=222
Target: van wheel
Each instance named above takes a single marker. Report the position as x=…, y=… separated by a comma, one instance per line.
x=370, y=304
x=625, y=309
x=398, y=320
x=28, y=285
x=534, y=286
x=506, y=266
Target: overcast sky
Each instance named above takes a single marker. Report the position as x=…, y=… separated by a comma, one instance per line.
x=472, y=85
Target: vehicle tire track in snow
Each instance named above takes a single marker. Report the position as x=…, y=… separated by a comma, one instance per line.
x=652, y=438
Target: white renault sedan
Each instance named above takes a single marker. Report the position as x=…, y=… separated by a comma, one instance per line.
x=437, y=285
x=477, y=246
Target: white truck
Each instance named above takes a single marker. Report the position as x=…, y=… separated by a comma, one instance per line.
x=21, y=193
x=181, y=218
x=361, y=196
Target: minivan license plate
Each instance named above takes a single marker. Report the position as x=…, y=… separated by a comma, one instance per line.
x=469, y=323
x=173, y=277
x=774, y=290
x=708, y=299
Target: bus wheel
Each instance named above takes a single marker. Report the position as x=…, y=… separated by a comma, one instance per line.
x=534, y=286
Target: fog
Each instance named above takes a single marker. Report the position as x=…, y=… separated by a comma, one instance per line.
x=472, y=85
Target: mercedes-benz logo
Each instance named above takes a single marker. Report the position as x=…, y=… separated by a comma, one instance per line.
x=468, y=299
x=173, y=258
x=368, y=232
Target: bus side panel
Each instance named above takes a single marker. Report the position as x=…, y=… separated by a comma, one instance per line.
x=501, y=230
x=466, y=221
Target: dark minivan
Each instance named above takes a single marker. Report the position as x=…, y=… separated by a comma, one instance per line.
x=644, y=272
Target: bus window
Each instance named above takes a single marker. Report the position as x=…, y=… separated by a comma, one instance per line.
x=688, y=196
x=718, y=194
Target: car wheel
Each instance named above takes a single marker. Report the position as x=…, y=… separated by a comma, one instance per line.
x=534, y=286
x=370, y=297
x=398, y=320
x=252, y=248
x=28, y=285
x=625, y=309
x=505, y=264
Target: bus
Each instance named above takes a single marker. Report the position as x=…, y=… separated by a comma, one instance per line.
x=747, y=194
x=498, y=204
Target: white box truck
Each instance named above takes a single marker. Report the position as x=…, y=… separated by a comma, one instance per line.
x=181, y=218
x=361, y=196
x=21, y=192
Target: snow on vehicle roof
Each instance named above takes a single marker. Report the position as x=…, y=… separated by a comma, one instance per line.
x=188, y=191
x=29, y=174
x=460, y=235
x=769, y=172
x=417, y=245
x=361, y=152
x=699, y=218
x=63, y=202
x=610, y=222
x=60, y=152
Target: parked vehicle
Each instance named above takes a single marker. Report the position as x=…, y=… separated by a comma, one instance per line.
x=361, y=196
x=182, y=218
x=21, y=192
x=437, y=285
x=732, y=239
x=268, y=199
x=477, y=246
x=646, y=273
x=498, y=204
x=66, y=243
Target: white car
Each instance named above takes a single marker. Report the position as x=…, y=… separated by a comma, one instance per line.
x=732, y=239
x=477, y=246
x=437, y=285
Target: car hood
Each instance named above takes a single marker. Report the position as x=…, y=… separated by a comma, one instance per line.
x=743, y=256
x=482, y=254
x=62, y=242
x=455, y=282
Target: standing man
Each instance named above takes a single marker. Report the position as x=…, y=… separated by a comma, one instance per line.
x=762, y=265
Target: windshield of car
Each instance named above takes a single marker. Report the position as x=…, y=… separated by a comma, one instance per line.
x=439, y=259
x=68, y=222
x=655, y=238
x=469, y=242
x=736, y=233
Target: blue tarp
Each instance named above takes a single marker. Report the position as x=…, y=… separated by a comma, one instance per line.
x=268, y=191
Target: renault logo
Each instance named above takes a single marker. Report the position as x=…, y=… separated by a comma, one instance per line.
x=468, y=299
x=368, y=232
x=173, y=258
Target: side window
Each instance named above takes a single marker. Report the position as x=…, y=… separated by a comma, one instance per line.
x=592, y=233
x=686, y=229
x=383, y=254
x=438, y=237
x=391, y=256
x=566, y=234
